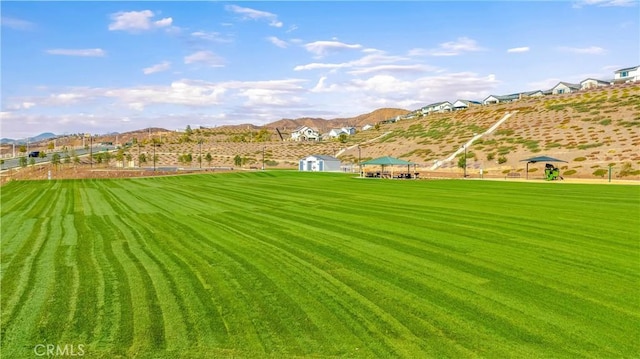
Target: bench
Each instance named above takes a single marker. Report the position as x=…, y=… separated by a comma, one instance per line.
x=512, y=175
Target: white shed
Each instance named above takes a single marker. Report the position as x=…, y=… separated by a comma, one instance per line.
x=319, y=163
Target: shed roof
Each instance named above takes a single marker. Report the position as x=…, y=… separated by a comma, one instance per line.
x=324, y=157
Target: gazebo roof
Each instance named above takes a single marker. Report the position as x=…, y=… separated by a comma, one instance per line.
x=541, y=159
x=387, y=161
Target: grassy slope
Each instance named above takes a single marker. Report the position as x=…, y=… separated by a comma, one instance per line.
x=313, y=265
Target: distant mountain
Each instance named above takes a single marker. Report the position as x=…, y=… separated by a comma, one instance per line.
x=41, y=137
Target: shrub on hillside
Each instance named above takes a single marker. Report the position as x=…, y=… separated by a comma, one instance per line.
x=600, y=172
x=569, y=172
x=579, y=159
x=502, y=159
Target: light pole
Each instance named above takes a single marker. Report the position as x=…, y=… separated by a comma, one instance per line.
x=91, y=150
x=263, y=157
x=359, y=165
x=465, y=160
x=200, y=158
x=154, y=155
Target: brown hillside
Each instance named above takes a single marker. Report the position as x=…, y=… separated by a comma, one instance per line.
x=591, y=130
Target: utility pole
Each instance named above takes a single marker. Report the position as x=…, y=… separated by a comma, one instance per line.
x=263, y=158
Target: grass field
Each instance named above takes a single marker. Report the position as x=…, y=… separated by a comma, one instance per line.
x=286, y=264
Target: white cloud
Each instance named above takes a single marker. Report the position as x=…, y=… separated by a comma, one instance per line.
x=248, y=13
x=591, y=50
x=376, y=61
x=16, y=24
x=518, y=49
x=392, y=68
x=207, y=58
x=580, y=3
x=322, y=48
x=276, y=41
x=77, y=52
x=163, y=66
x=134, y=21
x=210, y=36
x=450, y=48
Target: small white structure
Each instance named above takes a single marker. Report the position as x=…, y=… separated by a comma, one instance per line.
x=564, y=87
x=591, y=83
x=305, y=133
x=629, y=74
x=367, y=127
x=319, y=163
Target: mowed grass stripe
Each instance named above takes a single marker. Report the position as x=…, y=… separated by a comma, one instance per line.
x=277, y=264
x=389, y=290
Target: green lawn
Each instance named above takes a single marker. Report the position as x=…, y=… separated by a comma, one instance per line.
x=286, y=264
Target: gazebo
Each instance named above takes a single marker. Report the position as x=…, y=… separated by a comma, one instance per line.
x=390, y=161
x=540, y=159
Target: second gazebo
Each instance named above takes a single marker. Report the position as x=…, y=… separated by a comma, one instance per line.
x=387, y=165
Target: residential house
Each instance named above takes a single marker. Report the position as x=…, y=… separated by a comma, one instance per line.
x=629, y=74
x=438, y=107
x=564, y=87
x=305, y=133
x=493, y=99
x=319, y=163
x=535, y=93
x=367, y=127
x=591, y=83
x=464, y=104
x=336, y=132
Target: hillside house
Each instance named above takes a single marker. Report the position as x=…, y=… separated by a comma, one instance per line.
x=464, y=104
x=336, y=132
x=305, y=133
x=629, y=74
x=494, y=99
x=319, y=163
x=438, y=107
x=367, y=127
x=535, y=93
x=591, y=83
x=564, y=87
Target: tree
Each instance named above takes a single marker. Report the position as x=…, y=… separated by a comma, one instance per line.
x=188, y=130
x=142, y=158
x=343, y=137
x=55, y=159
x=462, y=162
x=23, y=162
x=51, y=146
x=42, y=154
x=377, y=126
x=32, y=161
x=76, y=159
x=22, y=148
x=208, y=158
x=237, y=160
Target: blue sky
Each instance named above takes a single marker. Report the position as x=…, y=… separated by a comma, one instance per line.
x=98, y=67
